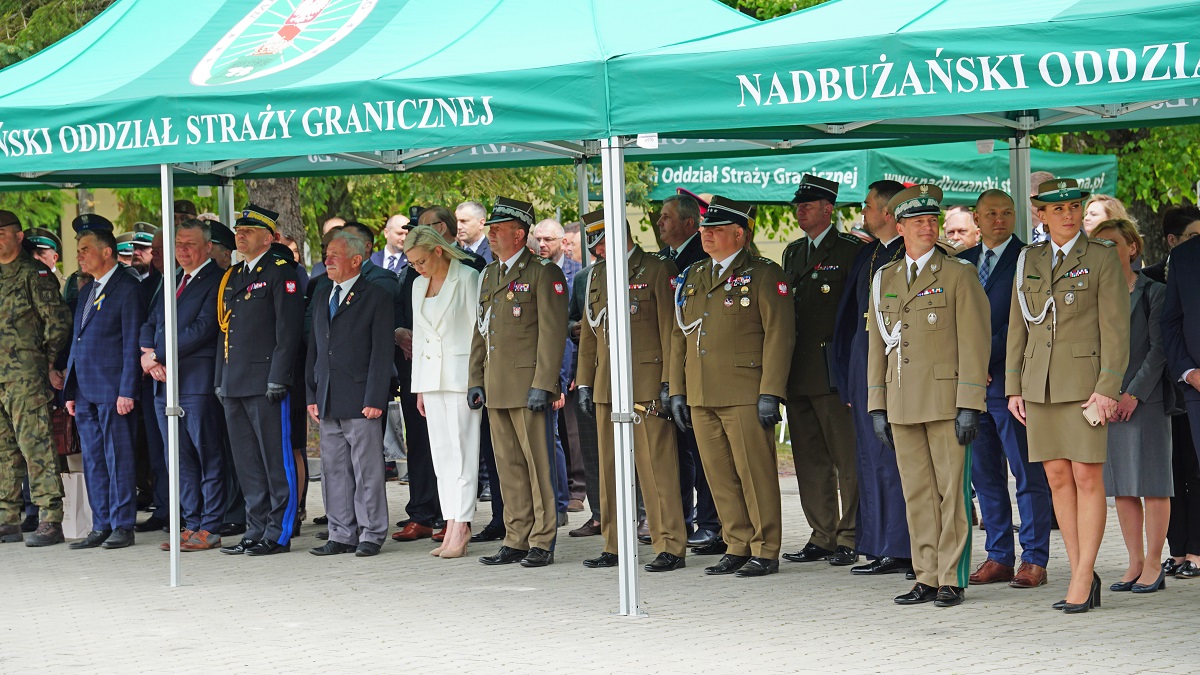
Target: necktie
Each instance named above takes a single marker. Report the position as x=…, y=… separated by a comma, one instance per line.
x=335, y=300
x=985, y=268
x=183, y=285
x=393, y=263
x=912, y=274
x=91, y=304
x=716, y=274
x=812, y=250
x=1058, y=261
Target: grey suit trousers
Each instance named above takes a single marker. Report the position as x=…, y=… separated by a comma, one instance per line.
x=352, y=480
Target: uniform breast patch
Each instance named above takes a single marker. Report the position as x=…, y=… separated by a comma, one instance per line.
x=262, y=284
x=559, y=288
x=782, y=288
x=826, y=268
x=638, y=287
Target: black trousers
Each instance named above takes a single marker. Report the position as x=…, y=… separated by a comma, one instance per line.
x=423, y=506
x=1183, y=533
x=266, y=468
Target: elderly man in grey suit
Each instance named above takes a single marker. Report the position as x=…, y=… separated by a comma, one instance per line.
x=349, y=365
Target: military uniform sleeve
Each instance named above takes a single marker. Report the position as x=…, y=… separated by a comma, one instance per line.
x=552, y=327
x=1018, y=336
x=665, y=302
x=778, y=315
x=678, y=381
x=478, y=343
x=585, y=374
x=973, y=320
x=877, y=360
x=289, y=324
x=1113, y=314
x=55, y=316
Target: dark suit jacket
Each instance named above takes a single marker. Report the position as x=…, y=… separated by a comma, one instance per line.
x=196, y=309
x=350, y=356
x=850, y=320
x=265, y=327
x=1181, y=313
x=379, y=259
x=999, y=290
x=376, y=274
x=104, y=362
x=691, y=254
x=485, y=250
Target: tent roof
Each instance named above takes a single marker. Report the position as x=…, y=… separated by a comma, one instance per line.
x=211, y=80
x=931, y=67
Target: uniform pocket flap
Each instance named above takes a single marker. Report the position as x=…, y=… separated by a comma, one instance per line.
x=889, y=305
x=747, y=360
x=945, y=371
x=1085, y=349
x=650, y=356
x=931, y=300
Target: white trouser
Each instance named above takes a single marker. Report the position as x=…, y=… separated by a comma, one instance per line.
x=454, y=444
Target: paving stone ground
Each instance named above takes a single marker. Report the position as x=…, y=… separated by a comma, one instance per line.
x=405, y=611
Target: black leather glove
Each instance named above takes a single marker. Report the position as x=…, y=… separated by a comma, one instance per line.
x=664, y=399
x=538, y=400
x=476, y=398
x=883, y=430
x=583, y=396
x=276, y=392
x=680, y=412
x=768, y=410
x=220, y=395
x=966, y=425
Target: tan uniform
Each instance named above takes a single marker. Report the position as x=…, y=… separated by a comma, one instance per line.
x=821, y=426
x=733, y=342
x=651, y=321
x=937, y=365
x=519, y=345
x=1076, y=345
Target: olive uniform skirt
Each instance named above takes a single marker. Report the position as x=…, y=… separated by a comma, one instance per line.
x=1059, y=431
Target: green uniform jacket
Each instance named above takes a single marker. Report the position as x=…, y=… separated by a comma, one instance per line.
x=940, y=363
x=523, y=319
x=817, y=285
x=733, y=338
x=651, y=321
x=1082, y=343
x=35, y=323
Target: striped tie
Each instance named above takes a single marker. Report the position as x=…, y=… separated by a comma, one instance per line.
x=985, y=268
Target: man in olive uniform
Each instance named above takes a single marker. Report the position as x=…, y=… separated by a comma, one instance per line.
x=34, y=326
x=930, y=338
x=821, y=427
x=261, y=315
x=516, y=354
x=651, y=323
x=730, y=363
x=47, y=248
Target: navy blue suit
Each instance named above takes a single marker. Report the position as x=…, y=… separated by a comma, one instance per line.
x=882, y=526
x=201, y=442
x=1181, y=324
x=1002, y=438
x=103, y=366
x=156, y=451
x=558, y=455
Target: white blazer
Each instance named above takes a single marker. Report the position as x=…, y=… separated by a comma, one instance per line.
x=442, y=329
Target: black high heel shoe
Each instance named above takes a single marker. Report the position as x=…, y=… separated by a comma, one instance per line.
x=1093, y=600
x=1158, y=585
x=1122, y=586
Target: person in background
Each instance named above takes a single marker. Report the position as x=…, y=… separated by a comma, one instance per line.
x=1099, y=208
x=471, y=217
x=297, y=254
x=571, y=246
x=1139, y=435
x=1036, y=227
x=960, y=228
x=47, y=249
x=392, y=257
x=224, y=243
x=331, y=224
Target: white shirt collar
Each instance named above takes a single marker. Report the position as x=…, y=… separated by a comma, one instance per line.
x=251, y=264
x=921, y=262
x=723, y=265
x=998, y=251
x=103, y=281
x=816, y=241
x=196, y=271
x=1055, y=248
x=889, y=241
x=679, y=249
x=512, y=262
x=346, y=286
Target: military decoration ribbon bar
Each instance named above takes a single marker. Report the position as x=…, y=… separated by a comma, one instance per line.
x=826, y=268
x=929, y=291
x=518, y=288
x=1075, y=273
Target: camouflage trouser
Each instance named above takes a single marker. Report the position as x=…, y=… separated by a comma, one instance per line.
x=25, y=442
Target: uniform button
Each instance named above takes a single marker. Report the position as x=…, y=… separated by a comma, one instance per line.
x=1047, y=292
x=906, y=310
x=905, y=326
x=906, y=359
x=906, y=343
x=703, y=332
x=703, y=352
x=710, y=295
x=751, y=363
x=1093, y=353
x=706, y=314
x=1047, y=344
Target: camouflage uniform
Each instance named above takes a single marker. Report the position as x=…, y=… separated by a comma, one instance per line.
x=34, y=326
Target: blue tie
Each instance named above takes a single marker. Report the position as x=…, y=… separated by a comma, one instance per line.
x=335, y=300
x=985, y=268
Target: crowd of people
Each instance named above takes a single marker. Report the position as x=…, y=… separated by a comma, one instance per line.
x=470, y=353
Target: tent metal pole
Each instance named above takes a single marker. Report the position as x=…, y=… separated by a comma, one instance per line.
x=171, y=331
x=1018, y=176
x=620, y=354
x=581, y=186
x=225, y=203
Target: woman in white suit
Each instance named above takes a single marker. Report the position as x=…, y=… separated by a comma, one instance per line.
x=444, y=301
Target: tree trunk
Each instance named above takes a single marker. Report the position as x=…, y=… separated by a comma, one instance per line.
x=1149, y=223
x=281, y=195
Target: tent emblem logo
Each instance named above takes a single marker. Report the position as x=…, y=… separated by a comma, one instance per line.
x=277, y=35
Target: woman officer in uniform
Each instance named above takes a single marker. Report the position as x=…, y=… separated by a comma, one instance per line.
x=1068, y=346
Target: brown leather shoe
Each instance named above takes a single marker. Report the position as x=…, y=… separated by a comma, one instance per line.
x=991, y=572
x=589, y=529
x=440, y=535
x=1029, y=576
x=184, y=536
x=202, y=540
x=412, y=532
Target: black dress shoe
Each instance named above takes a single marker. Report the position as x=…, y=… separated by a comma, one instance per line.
x=728, y=565
x=758, y=567
x=151, y=524
x=645, y=539
x=485, y=494
x=1059, y=605
x=332, y=548
x=717, y=547
x=240, y=547
x=490, y=532
x=268, y=547
x=910, y=574
x=505, y=556
x=810, y=553
x=30, y=524
x=231, y=529
x=121, y=537
x=919, y=594
x=666, y=562
x=884, y=565
x=605, y=559
x=949, y=596
x=366, y=549
x=703, y=537
x=321, y=520
x=92, y=540
x=843, y=556
x=537, y=557
x=1188, y=570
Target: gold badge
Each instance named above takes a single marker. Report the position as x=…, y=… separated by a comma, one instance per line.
x=247, y=296
x=932, y=318
x=745, y=302
x=1069, y=298
x=745, y=290
x=510, y=296
x=824, y=288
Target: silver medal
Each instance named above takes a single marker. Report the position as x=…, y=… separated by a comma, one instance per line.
x=1069, y=298
x=932, y=318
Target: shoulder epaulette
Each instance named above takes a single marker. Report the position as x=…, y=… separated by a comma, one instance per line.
x=796, y=242
x=542, y=261
x=1038, y=244
x=897, y=261
x=959, y=260
x=849, y=237
x=280, y=261
x=760, y=258
x=1102, y=242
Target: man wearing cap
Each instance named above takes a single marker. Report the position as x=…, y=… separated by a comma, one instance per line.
x=47, y=248
x=103, y=381
x=881, y=531
x=125, y=252
x=516, y=355
x=151, y=451
x=184, y=209
x=820, y=424
x=34, y=327
x=261, y=315
x=143, y=235
x=651, y=322
x=223, y=243
x=730, y=363
x=926, y=383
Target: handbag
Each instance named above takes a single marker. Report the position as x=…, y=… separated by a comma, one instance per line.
x=77, y=511
x=62, y=430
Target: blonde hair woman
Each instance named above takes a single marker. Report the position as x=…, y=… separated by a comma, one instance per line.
x=1099, y=208
x=444, y=302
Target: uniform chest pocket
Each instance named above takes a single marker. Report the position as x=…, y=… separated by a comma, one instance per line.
x=930, y=311
x=15, y=302
x=260, y=293
x=1074, y=293
x=889, y=309
x=641, y=305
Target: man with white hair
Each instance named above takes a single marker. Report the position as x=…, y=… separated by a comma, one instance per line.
x=960, y=227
